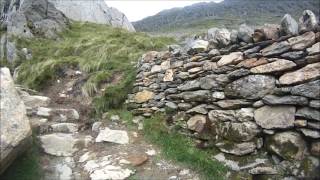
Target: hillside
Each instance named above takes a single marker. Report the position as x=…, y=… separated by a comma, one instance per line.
x=229, y=13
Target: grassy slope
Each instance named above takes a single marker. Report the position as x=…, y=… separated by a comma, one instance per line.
x=98, y=50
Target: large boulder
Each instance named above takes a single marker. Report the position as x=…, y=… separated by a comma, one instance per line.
x=33, y=17
x=251, y=87
x=15, y=131
x=289, y=145
x=219, y=37
x=93, y=11
x=289, y=26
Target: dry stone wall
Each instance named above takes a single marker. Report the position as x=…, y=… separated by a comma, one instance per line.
x=258, y=97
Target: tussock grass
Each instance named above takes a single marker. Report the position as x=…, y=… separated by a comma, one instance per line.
x=100, y=51
x=181, y=149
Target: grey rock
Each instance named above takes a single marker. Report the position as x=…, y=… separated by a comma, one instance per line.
x=15, y=130
x=234, y=36
x=315, y=148
x=238, y=73
x=315, y=104
x=238, y=132
x=315, y=134
x=198, y=96
x=308, y=21
x=253, y=50
x=313, y=125
x=197, y=46
x=303, y=41
x=213, y=81
x=258, y=104
x=289, y=26
x=231, y=58
x=245, y=33
x=189, y=85
x=222, y=115
x=65, y=127
x=238, y=149
x=310, y=89
x=276, y=48
x=263, y=170
x=269, y=117
x=214, y=52
x=307, y=73
x=114, y=136
x=245, y=114
x=277, y=65
x=96, y=126
x=171, y=106
x=250, y=87
x=308, y=113
x=286, y=100
x=233, y=103
x=289, y=145
x=93, y=11
x=294, y=55
x=218, y=95
x=314, y=49
x=219, y=37
x=197, y=123
x=200, y=109
x=184, y=106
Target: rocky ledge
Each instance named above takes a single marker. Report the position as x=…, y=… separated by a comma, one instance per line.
x=250, y=93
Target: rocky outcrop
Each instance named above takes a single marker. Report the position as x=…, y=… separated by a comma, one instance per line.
x=248, y=97
x=15, y=131
x=93, y=11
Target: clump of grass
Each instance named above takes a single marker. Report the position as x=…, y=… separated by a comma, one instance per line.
x=99, y=50
x=181, y=149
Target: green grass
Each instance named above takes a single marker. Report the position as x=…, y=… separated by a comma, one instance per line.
x=181, y=149
x=98, y=50
x=25, y=167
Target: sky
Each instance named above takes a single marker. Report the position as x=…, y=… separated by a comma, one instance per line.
x=136, y=9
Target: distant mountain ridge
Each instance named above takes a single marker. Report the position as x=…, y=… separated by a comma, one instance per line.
x=228, y=13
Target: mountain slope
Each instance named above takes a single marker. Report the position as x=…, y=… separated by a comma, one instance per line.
x=229, y=13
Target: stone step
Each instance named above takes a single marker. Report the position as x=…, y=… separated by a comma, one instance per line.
x=62, y=144
x=56, y=114
x=32, y=102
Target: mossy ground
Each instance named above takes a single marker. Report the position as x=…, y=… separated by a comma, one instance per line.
x=98, y=50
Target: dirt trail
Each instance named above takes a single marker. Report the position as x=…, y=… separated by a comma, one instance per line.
x=71, y=150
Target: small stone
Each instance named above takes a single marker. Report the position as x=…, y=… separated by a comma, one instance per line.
x=168, y=76
x=313, y=125
x=114, y=136
x=96, y=126
x=115, y=118
x=315, y=134
x=197, y=123
x=151, y=152
x=237, y=149
x=245, y=114
x=143, y=96
x=300, y=123
x=277, y=66
x=294, y=55
x=271, y=117
x=314, y=104
x=315, y=148
x=200, y=109
x=171, y=106
x=137, y=160
x=263, y=170
x=156, y=69
x=314, y=49
x=258, y=104
x=253, y=62
x=198, y=96
x=198, y=46
x=184, y=106
x=306, y=73
x=218, y=95
x=238, y=74
x=195, y=70
x=268, y=131
x=222, y=115
x=65, y=127
x=165, y=65
x=233, y=104
x=189, y=85
x=245, y=33
x=232, y=58
x=308, y=113
x=214, y=52
x=86, y=156
x=149, y=56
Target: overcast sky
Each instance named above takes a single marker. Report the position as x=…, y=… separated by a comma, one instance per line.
x=137, y=10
